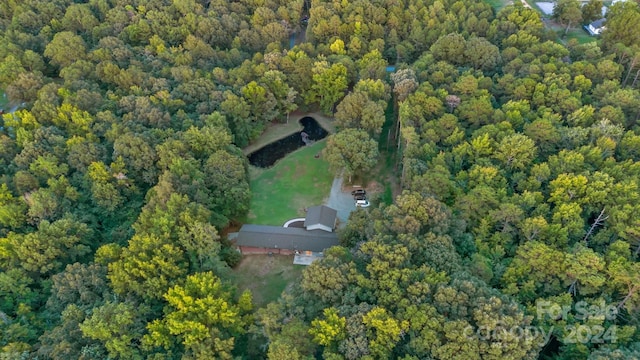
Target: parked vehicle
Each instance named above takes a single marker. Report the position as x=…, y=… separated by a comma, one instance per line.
x=360, y=197
x=359, y=192
x=362, y=203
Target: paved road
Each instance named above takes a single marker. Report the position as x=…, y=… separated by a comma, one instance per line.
x=341, y=201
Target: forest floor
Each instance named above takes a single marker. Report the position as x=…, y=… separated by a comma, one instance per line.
x=266, y=276
x=285, y=190
x=277, y=131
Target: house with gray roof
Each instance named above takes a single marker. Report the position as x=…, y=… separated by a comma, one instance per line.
x=316, y=236
x=281, y=240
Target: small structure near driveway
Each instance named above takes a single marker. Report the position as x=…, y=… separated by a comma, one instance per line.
x=321, y=218
x=596, y=27
x=309, y=242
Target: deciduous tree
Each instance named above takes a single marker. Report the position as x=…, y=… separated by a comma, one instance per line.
x=202, y=317
x=352, y=151
x=329, y=84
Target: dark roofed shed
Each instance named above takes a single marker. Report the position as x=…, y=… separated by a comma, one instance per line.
x=321, y=218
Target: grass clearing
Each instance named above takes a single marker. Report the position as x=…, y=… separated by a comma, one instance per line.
x=266, y=276
x=581, y=35
x=387, y=166
x=497, y=5
x=577, y=33
x=283, y=191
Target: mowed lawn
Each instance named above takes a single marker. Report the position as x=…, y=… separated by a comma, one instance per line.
x=282, y=192
x=266, y=276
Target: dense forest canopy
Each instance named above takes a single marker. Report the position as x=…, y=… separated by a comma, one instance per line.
x=122, y=165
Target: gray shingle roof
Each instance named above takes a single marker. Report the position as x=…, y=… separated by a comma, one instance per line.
x=277, y=237
x=598, y=23
x=321, y=215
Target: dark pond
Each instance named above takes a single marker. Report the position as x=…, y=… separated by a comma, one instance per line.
x=269, y=154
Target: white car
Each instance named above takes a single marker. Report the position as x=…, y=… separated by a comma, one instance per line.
x=362, y=203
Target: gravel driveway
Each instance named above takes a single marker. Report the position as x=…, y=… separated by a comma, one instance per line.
x=341, y=201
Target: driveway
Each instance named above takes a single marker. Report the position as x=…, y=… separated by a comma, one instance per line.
x=341, y=201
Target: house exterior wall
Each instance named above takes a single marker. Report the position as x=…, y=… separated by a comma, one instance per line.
x=248, y=250
x=319, y=227
x=594, y=30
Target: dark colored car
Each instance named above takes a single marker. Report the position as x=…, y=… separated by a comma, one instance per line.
x=360, y=197
x=358, y=192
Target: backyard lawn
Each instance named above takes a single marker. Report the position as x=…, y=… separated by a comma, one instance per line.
x=283, y=191
x=577, y=33
x=266, y=276
x=497, y=5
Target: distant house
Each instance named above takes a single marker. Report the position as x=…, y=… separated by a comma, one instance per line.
x=596, y=27
x=316, y=236
x=321, y=218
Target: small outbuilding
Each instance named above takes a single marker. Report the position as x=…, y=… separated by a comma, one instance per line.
x=321, y=218
x=596, y=27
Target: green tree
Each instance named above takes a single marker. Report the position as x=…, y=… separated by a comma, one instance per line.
x=79, y=18
x=356, y=110
x=372, y=66
x=139, y=157
x=537, y=270
x=351, y=151
x=262, y=104
x=118, y=326
x=238, y=112
x=226, y=176
x=83, y=285
x=330, y=330
x=623, y=275
x=329, y=84
x=516, y=151
x=66, y=340
x=567, y=12
x=383, y=331
x=147, y=267
x=450, y=48
x=481, y=54
x=12, y=209
x=65, y=49
x=51, y=247
x=621, y=17
x=592, y=11
x=202, y=317
x=285, y=95
x=103, y=191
